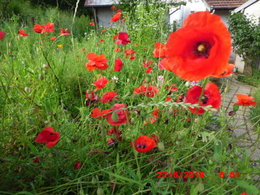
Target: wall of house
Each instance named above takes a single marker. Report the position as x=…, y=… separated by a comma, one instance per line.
x=104, y=14
x=180, y=13
x=253, y=10
x=224, y=14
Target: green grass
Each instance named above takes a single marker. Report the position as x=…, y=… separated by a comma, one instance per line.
x=33, y=97
x=255, y=112
x=253, y=80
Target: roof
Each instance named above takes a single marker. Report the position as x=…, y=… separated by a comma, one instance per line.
x=100, y=3
x=245, y=5
x=225, y=4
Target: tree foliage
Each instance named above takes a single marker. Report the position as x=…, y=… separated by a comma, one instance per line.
x=246, y=36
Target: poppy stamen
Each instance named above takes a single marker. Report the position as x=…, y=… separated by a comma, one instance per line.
x=204, y=99
x=141, y=146
x=202, y=49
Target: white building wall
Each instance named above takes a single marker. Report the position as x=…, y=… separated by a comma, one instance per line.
x=180, y=13
x=253, y=10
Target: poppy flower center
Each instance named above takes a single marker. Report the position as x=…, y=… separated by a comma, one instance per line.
x=202, y=49
x=204, y=99
x=142, y=146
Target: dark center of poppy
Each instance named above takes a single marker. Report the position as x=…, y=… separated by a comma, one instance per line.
x=202, y=49
x=142, y=146
x=204, y=99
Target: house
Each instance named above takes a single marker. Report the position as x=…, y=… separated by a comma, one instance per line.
x=219, y=7
x=252, y=9
x=101, y=10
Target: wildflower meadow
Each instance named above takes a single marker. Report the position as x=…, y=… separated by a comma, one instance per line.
x=128, y=109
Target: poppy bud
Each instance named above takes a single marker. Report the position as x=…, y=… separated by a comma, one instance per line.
x=115, y=116
x=100, y=191
x=160, y=146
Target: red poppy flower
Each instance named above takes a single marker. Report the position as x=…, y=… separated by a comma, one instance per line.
x=109, y=97
x=22, y=33
x=149, y=91
x=113, y=7
x=45, y=28
x=116, y=132
x=245, y=100
x=92, y=23
x=117, y=50
x=118, y=116
x=48, y=136
x=211, y=97
x=2, y=35
x=115, y=37
x=160, y=65
x=96, y=61
x=160, y=49
x=53, y=38
x=38, y=28
x=111, y=141
x=103, y=31
x=116, y=17
x=36, y=160
x=129, y=53
x=101, y=83
x=77, y=165
x=64, y=32
x=91, y=98
x=122, y=39
x=118, y=65
x=200, y=48
x=97, y=113
x=143, y=144
x=155, y=117
x=227, y=72
x=147, y=65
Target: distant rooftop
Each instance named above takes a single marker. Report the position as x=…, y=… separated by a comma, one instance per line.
x=225, y=4
x=100, y=3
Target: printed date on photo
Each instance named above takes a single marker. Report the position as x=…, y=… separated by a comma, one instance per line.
x=188, y=174
x=185, y=175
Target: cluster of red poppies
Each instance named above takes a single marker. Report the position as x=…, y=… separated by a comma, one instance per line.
x=198, y=50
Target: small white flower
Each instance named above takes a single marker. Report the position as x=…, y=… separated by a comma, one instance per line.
x=114, y=78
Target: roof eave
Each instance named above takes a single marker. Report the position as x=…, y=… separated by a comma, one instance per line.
x=245, y=5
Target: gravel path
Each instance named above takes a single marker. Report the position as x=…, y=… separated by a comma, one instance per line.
x=243, y=129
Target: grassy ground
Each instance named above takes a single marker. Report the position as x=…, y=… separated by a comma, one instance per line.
x=44, y=85
x=251, y=80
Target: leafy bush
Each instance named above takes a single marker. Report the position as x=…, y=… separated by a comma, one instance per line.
x=246, y=36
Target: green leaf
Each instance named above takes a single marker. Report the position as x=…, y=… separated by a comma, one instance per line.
x=115, y=117
x=235, y=107
x=248, y=187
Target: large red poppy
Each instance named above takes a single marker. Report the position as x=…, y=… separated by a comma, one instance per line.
x=227, y=72
x=48, y=136
x=245, y=100
x=211, y=96
x=143, y=144
x=118, y=116
x=96, y=61
x=200, y=48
